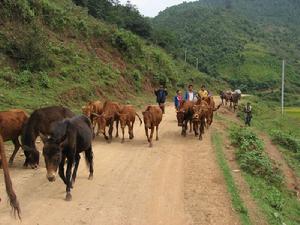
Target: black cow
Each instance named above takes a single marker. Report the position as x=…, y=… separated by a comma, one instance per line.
x=68, y=138
x=40, y=122
x=185, y=116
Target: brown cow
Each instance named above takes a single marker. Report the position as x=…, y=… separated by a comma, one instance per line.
x=8, y=184
x=201, y=114
x=107, y=118
x=92, y=108
x=185, y=116
x=225, y=95
x=12, y=123
x=127, y=118
x=211, y=109
x=152, y=118
x=234, y=100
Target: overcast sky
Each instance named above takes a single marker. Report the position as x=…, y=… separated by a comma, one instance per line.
x=152, y=7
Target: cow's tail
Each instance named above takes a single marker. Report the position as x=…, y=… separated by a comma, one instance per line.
x=141, y=122
x=8, y=184
x=215, y=109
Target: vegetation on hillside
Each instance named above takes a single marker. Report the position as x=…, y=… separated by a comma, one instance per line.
x=125, y=16
x=242, y=42
x=53, y=52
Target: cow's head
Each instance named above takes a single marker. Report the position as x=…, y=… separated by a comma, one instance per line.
x=32, y=157
x=180, y=117
x=101, y=121
x=87, y=111
x=52, y=152
x=123, y=117
x=147, y=119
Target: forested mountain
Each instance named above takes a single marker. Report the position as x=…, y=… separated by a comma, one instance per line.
x=240, y=41
x=56, y=52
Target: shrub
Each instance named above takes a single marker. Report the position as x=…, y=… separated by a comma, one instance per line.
x=252, y=158
x=286, y=140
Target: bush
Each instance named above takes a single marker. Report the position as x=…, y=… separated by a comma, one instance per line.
x=30, y=49
x=252, y=158
x=286, y=140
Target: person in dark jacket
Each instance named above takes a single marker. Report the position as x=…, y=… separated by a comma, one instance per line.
x=161, y=97
x=248, y=114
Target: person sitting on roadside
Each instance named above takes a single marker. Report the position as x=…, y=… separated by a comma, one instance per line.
x=161, y=96
x=203, y=92
x=248, y=114
x=190, y=95
x=178, y=99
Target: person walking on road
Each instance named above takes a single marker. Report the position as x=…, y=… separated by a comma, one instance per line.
x=178, y=99
x=190, y=95
x=248, y=114
x=161, y=96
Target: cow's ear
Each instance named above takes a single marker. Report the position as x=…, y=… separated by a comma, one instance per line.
x=143, y=113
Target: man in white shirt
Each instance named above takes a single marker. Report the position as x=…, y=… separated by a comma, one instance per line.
x=190, y=95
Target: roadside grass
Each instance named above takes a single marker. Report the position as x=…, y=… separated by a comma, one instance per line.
x=267, y=118
x=236, y=200
x=262, y=175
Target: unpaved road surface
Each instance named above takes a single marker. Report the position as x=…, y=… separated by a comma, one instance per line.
x=177, y=182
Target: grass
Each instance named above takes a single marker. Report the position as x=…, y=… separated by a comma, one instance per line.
x=293, y=112
x=269, y=197
x=236, y=200
x=267, y=118
x=278, y=204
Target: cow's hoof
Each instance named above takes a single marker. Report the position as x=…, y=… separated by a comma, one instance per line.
x=200, y=138
x=10, y=162
x=150, y=145
x=157, y=138
x=122, y=141
x=68, y=197
x=91, y=177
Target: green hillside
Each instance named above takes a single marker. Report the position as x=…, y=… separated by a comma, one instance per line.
x=53, y=52
x=239, y=41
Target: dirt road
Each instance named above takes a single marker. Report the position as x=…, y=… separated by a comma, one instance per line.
x=177, y=182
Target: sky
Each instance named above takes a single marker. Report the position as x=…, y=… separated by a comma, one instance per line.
x=152, y=7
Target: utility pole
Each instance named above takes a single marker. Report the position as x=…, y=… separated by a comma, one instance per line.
x=185, y=55
x=197, y=63
x=282, y=87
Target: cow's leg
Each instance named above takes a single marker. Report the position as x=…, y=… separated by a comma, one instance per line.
x=184, y=128
x=131, y=125
x=90, y=161
x=191, y=126
x=61, y=169
x=123, y=131
x=117, y=127
x=202, y=124
x=110, y=131
x=147, y=134
x=68, y=177
x=151, y=136
x=17, y=147
x=157, y=132
x=77, y=160
x=195, y=126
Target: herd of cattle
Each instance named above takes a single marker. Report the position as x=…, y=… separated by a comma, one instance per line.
x=66, y=135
